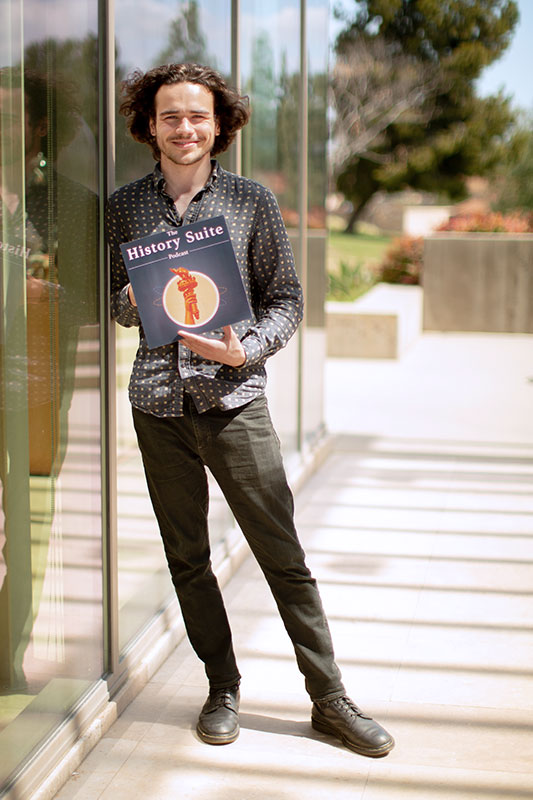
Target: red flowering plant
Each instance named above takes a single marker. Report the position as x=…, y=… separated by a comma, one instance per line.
x=491, y=222
x=403, y=261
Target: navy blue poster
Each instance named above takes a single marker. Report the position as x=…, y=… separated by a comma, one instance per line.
x=185, y=278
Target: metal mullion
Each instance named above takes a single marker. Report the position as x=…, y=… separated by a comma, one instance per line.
x=302, y=207
x=236, y=150
x=107, y=344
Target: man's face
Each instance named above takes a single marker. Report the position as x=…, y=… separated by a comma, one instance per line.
x=184, y=125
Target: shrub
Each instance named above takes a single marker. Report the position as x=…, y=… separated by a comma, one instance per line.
x=492, y=222
x=403, y=261
x=350, y=281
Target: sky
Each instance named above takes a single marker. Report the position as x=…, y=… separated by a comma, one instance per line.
x=514, y=69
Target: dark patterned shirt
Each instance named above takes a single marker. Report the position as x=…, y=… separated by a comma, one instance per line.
x=266, y=262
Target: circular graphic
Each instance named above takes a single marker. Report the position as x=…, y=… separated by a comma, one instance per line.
x=190, y=299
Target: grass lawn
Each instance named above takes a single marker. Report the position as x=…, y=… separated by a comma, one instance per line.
x=359, y=248
x=352, y=262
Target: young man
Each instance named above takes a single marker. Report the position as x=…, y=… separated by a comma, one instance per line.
x=201, y=402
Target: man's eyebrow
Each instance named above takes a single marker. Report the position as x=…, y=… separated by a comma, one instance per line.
x=184, y=111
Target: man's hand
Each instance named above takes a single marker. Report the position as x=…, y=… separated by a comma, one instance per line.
x=131, y=296
x=227, y=350
x=39, y=289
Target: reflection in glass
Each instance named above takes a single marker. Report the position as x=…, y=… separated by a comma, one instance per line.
x=270, y=59
x=314, y=337
x=50, y=564
x=183, y=31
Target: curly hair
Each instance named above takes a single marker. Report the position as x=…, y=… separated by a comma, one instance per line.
x=232, y=110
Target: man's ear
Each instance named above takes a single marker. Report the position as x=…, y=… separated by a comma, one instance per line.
x=217, y=127
x=152, y=126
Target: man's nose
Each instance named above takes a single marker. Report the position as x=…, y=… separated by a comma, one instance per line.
x=184, y=126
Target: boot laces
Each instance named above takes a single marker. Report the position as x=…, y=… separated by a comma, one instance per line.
x=347, y=706
x=222, y=697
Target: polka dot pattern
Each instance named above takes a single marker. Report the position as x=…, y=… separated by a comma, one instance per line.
x=266, y=262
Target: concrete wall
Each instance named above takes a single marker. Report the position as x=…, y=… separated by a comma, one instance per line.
x=382, y=323
x=478, y=282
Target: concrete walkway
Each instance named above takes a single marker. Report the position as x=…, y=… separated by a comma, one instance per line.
x=419, y=528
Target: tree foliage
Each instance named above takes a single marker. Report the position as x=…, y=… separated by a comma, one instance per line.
x=514, y=183
x=186, y=40
x=404, y=92
x=75, y=70
x=270, y=145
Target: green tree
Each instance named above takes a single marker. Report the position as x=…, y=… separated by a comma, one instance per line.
x=317, y=178
x=186, y=41
x=259, y=136
x=270, y=140
x=74, y=63
x=287, y=123
x=404, y=89
x=515, y=175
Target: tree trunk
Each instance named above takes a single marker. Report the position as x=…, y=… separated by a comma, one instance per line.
x=354, y=216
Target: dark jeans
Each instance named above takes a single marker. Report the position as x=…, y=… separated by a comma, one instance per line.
x=242, y=451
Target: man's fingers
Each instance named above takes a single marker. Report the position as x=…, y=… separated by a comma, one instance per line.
x=227, y=350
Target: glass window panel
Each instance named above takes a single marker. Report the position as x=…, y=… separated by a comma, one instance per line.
x=314, y=339
x=154, y=32
x=51, y=625
x=270, y=64
x=149, y=33
x=317, y=48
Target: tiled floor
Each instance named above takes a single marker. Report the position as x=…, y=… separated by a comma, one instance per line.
x=419, y=528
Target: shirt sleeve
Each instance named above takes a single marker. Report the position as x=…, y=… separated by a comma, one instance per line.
x=276, y=289
x=122, y=310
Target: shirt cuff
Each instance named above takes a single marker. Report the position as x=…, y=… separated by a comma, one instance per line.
x=253, y=351
x=128, y=314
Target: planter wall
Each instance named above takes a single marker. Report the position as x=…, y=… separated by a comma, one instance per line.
x=478, y=282
x=382, y=323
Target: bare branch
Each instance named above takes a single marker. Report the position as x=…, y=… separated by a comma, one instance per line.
x=373, y=86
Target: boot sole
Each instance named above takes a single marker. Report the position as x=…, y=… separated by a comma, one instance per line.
x=378, y=752
x=210, y=738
